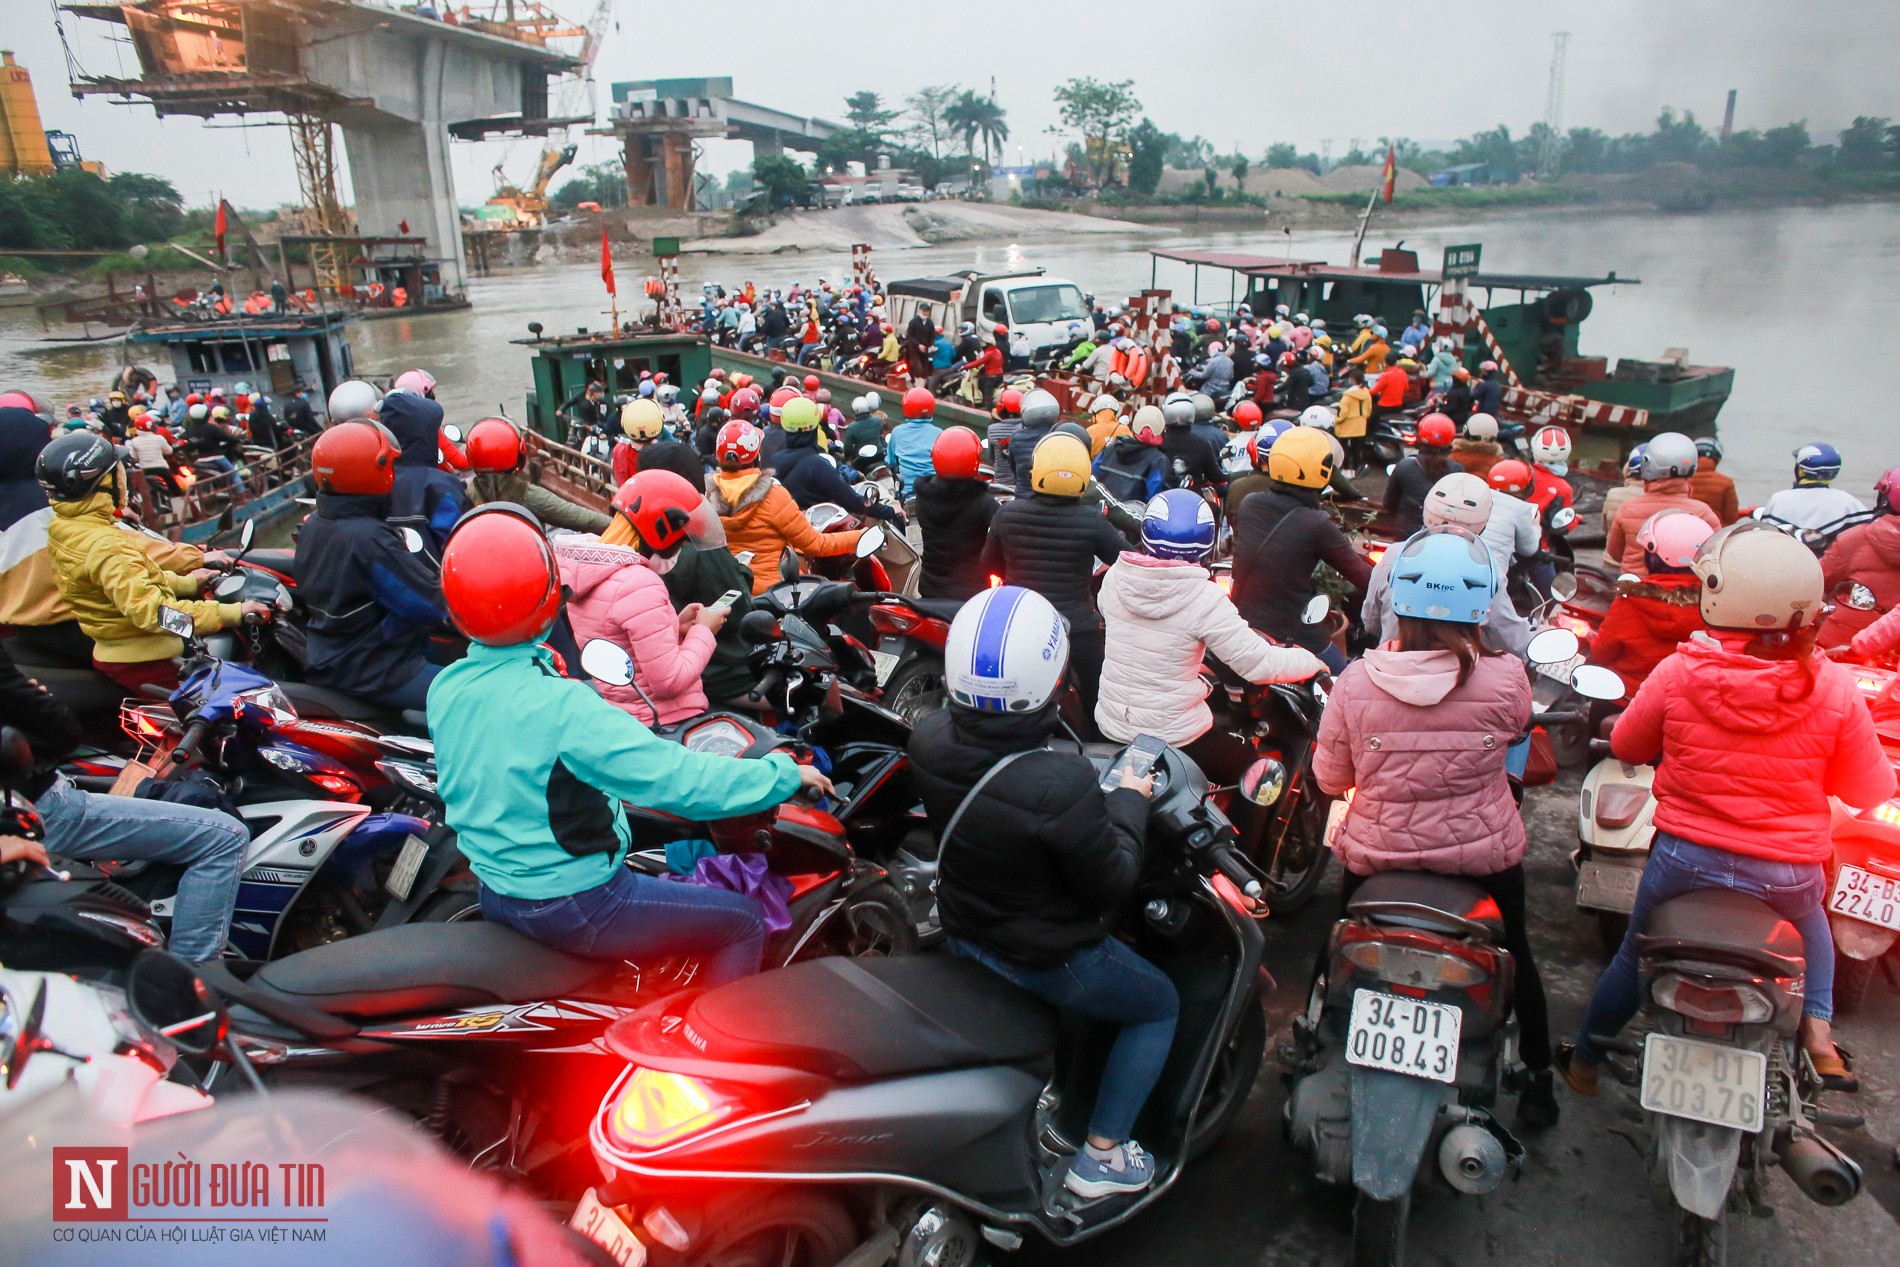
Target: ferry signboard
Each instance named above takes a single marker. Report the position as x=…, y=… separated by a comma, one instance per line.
x=1461, y=261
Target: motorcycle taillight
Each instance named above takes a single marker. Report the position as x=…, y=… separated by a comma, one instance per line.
x=656, y=1108
x=1417, y=961
x=891, y=619
x=1718, y=1002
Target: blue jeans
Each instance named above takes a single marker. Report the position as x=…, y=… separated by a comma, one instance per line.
x=87, y=826
x=411, y=694
x=636, y=917
x=222, y=466
x=1109, y=982
x=1676, y=866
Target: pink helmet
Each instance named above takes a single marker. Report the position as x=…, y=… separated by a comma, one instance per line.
x=421, y=382
x=1672, y=537
x=1887, y=492
x=1487, y=367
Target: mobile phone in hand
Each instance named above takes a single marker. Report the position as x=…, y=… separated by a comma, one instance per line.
x=725, y=601
x=1138, y=758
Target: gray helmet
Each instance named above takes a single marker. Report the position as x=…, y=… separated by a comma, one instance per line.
x=1039, y=407
x=1178, y=409
x=1669, y=456
x=1204, y=407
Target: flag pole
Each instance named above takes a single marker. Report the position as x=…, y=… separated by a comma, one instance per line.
x=1365, y=219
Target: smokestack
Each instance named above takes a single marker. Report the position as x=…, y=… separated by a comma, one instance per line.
x=1728, y=116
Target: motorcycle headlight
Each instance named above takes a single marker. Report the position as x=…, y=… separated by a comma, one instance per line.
x=273, y=698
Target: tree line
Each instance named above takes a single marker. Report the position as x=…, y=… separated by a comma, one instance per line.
x=74, y=209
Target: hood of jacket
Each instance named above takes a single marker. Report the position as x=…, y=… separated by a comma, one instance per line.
x=22, y=435
x=1413, y=677
x=99, y=506
x=416, y=422
x=588, y=563
x=1005, y=732
x=734, y=491
x=1676, y=591
x=1490, y=448
x=1669, y=488
x=1737, y=691
x=352, y=506
x=1153, y=588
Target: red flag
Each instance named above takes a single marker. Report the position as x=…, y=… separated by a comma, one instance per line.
x=218, y=226
x=1390, y=176
x=402, y=227
x=607, y=262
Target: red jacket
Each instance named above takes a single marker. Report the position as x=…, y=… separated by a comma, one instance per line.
x=1748, y=758
x=989, y=360
x=1868, y=553
x=1645, y=624
x=1389, y=389
x=626, y=462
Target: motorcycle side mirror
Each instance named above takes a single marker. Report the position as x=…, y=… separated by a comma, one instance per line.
x=870, y=493
x=412, y=541
x=1553, y=646
x=787, y=566
x=1316, y=610
x=169, y=997
x=758, y=625
x=246, y=535
x=1562, y=520
x=1855, y=595
x=1263, y=781
x=21, y=1037
x=452, y=433
x=870, y=541
x=1563, y=586
x=1629, y=578
x=178, y=624
x=867, y=451
x=1593, y=681
x=228, y=589
x=1390, y=467
x=605, y=662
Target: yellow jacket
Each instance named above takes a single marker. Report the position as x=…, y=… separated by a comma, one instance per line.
x=1355, y=408
x=1360, y=340
x=28, y=594
x=115, y=588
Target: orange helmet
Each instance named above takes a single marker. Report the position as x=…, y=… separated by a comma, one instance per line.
x=356, y=457
x=494, y=446
x=499, y=578
x=659, y=506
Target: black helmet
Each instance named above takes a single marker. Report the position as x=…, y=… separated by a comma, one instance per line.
x=73, y=466
x=1709, y=447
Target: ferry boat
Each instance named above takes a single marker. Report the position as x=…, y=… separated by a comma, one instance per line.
x=1527, y=322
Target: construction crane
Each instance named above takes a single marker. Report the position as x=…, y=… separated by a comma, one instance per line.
x=529, y=205
x=313, y=146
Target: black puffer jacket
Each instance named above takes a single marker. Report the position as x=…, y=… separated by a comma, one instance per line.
x=1192, y=460
x=372, y=604
x=47, y=725
x=1043, y=860
x=1411, y=479
x=810, y=479
x=1279, y=537
x=1050, y=545
x=954, y=517
x=426, y=498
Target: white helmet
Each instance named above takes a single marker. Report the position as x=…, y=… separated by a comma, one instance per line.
x=1318, y=416
x=1363, y=321
x=875, y=400
x=1551, y=446
x=1040, y=408
x=1216, y=348
x=1006, y=652
x=861, y=406
x=1148, y=424
x=1481, y=427
x=1460, y=499
x=1670, y=456
x=198, y=413
x=667, y=394
x=1756, y=577
x=1102, y=403
x=354, y=399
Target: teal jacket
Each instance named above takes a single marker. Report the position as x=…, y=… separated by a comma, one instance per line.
x=532, y=768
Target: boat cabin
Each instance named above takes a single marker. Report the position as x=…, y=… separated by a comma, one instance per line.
x=564, y=365
x=278, y=353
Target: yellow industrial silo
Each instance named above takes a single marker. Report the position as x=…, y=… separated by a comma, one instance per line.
x=23, y=150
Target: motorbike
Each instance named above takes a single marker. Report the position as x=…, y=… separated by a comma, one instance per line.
x=1863, y=874
x=918, y=1110
x=1726, y=1091
x=911, y=635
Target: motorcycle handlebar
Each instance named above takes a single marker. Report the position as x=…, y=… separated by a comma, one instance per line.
x=1229, y=864
x=188, y=744
x=1562, y=717
x=769, y=683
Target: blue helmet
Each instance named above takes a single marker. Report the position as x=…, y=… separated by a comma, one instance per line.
x=1444, y=574
x=646, y=389
x=1816, y=463
x=1178, y=524
x=1633, y=464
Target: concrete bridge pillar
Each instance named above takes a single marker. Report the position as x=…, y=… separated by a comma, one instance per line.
x=399, y=171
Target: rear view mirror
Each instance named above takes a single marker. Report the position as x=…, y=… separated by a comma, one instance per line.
x=870, y=541
x=1553, y=646
x=168, y=997
x=867, y=451
x=228, y=589
x=605, y=662
x=758, y=625
x=1264, y=781
x=174, y=622
x=1316, y=610
x=246, y=535
x=452, y=433
x=1562, y=520
x=1855, y=595
x=788, y=566
x=1595, y=682
x=1563, y=586
x=412, y=541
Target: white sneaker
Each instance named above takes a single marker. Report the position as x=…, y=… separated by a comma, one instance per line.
x=1126, y=1169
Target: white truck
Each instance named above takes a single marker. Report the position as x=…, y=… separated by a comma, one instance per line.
x=1029, y=302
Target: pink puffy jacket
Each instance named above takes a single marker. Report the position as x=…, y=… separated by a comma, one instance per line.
x=616, y=596
x=1426, y=756
x=1749, y=758
x=1657, y=495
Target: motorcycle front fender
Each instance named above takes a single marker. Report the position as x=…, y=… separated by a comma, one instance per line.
x=1392, y=1120
x=1699, y=1160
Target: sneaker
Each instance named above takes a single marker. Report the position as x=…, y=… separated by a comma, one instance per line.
x=1105, y=1173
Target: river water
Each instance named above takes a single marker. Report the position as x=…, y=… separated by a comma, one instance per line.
x=1780, y=294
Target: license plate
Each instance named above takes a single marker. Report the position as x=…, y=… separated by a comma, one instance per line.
x=1704, y=1082
x=886, y=664
x=1862, y=895
x=1604, y=886
x=603, y=1227
x=1409, y=1036
x=402, y=876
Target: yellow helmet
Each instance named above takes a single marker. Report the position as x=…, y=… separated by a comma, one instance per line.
x=1302, y=456
x=642, y=419
x=1324, y=340
x=800, y=414
x=1060, y=466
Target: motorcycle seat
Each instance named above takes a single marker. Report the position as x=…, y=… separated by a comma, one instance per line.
x=1421, y=899
x=940, y=608
x=1618, y=804
x=855, y=1019
x=283, y=562
x=1724, y=925
x=321, y=702
x=419, y=968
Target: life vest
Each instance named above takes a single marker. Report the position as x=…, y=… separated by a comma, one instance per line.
x=399, y=297
x=1132, y=365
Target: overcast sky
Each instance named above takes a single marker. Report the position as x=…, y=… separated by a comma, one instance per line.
x=1241, y=73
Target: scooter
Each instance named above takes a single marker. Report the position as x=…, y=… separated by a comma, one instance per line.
x=1725, y=1089
x=914, y=1110
x=912, y=633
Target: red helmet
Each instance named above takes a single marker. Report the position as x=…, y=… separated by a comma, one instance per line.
x=742, y=380
x=1009, y=403
x=1510, y=476
x=738, y=444
x=499, y=579
x=1213, y=325
x=919, y=403
x=717, y=373
x=744, y=403
x=1247, y=415
x=958, y=455
x=782, y=397
x=494, y=446
x=194, y=399
x=356, y=457
x=812, y=383
x=1001, y=332
x=1437, y=431
x=658, y=505
x=1887, y=491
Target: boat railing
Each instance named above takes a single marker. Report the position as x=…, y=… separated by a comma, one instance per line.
x=210, y=495
x=569, y=472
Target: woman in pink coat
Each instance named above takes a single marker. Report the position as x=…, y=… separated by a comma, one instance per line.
x=1418, y=730
x=615, y=595
x=1755, y=732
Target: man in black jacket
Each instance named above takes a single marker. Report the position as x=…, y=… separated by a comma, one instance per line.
x=808, y=477
x=954, y=513
x=1049, y=542
x=299, y=417
x=427, y=498
x=1281, y=535
x=1042, y=861
x=1193, y=461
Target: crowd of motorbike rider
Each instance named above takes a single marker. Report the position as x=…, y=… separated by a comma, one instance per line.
x=1080, y=544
